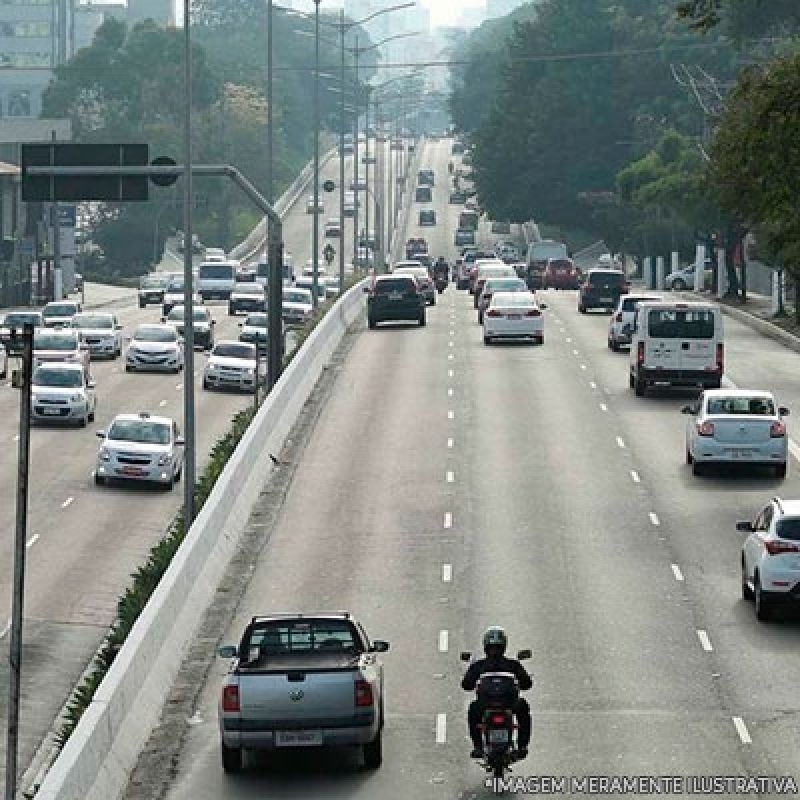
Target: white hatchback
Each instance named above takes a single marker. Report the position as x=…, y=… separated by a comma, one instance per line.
x=736, y=426
x=62, y=393
x=514, y=315
x=232, y=365
x=620, y=327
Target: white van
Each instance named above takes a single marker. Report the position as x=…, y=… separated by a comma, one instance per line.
x=677, y=344
x=216, y=279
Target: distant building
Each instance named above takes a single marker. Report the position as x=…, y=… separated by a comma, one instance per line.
x=502, y=8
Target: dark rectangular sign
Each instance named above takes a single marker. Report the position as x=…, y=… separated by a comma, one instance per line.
x=109, y=188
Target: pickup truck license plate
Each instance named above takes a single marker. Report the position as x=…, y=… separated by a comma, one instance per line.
x=395, y=295
x=515, y=316
x=132, y=471
x=298, y=738
x=499, y=736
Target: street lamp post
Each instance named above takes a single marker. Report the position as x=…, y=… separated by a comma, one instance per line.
x=270, y=140
x=355, y=157
x=315, y=215
x=342, y=30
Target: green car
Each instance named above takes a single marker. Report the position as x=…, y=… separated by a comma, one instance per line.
x=395, y=298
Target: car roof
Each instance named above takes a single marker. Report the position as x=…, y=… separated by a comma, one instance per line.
x=394, y=276
x=68, y=365
x=515, y=298
x=739, y=393
x=149, y=325
x=135, y=417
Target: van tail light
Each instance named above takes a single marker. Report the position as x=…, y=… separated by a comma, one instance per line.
x=618, y=316
x=640, y=354
x=705, y=429
x=534, y=312
x=498, y=719
x=720, y=357
x=493, y=312
x=363, y=693
x=230, y=698
x=777, y=429
x=778, y=547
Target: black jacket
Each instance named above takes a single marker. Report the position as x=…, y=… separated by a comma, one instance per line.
x=496, y=664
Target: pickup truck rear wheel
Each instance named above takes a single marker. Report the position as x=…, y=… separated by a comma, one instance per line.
x=373, y=752
x=231, y=758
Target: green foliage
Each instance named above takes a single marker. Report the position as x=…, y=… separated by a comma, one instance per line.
x=743, y=19
x=755, y=160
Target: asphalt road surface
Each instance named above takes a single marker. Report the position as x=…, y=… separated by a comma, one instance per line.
x=84, y=541
x=449, y=486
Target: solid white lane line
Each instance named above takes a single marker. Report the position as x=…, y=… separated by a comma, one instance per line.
x=443, y=641
x=635, y=476
x=447, y=572
x=162, y=404
x=32, y=541
x=6, y=629
x=603, y=407
x=741, y=729
x=654, y=518
x=450, y=414
x=450, y=392
x=441, y=728
x=704, y=641
x=676, y=571
x=68, y=502
x=448, y=519
x=450, y=476
x=620, y=442
x=592, y=385
x=583, y=366
x=449, y=442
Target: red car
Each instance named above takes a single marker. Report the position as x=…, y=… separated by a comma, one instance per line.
x=561, y=273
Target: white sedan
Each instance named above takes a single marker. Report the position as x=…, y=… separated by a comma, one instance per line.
x=155, y=348
x=736, y=426
x=514, y=315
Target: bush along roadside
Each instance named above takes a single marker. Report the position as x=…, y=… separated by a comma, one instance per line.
x=146, y=578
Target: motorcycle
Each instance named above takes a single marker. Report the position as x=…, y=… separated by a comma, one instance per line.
x=441, y=282
x=498, y=691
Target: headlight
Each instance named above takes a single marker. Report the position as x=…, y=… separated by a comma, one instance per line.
x=104, y=455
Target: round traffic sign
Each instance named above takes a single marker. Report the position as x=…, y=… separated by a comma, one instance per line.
x=163, y=180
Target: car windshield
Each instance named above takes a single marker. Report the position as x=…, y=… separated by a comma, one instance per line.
x=632, y=303
x=541, y=251
x=156, y=334
x=178, y=314
x=152, y=282
x=510, y=285
x=505, y=299
x=53, y=376
x=232, y=350
x=60, y=310
x=52, y=341
x=758, y=406
x=93, y=321
x=139, y=430
x=394, y=285
x=216, y=272
x=672, y=323
x=18, y=320
x=606, y=279
x=175, y=286
x=297, y=297
x=248, y=288
x=256, y=321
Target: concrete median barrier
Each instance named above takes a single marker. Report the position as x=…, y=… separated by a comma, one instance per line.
x=100, y=755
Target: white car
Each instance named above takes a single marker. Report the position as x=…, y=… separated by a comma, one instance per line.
x=298, y=306
x=155, y=348
x=59, y=313
x=63, y=345
x=214, y=254
x=770, y=558
x=310, y=206
x=333, y=227
x=62, y=393
x=736, y=426
x=139, y=447
x=514, y=315
x=255, y=330
x=101, y=331
x=247, y=296
x=174, y=295
x=620, y=327
x=232, y=365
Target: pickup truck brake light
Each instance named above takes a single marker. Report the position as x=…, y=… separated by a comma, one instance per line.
x=363, y=693
x=230, y=698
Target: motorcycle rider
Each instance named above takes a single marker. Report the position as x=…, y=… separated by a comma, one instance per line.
x=495, y=643
x=441, y=269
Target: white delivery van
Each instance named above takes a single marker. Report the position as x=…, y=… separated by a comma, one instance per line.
x=677, y=344
x=215, y=279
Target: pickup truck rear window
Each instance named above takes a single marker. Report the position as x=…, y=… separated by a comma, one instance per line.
x=294, y=636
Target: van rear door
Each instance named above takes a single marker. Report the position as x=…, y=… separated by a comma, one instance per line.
x=700, y=334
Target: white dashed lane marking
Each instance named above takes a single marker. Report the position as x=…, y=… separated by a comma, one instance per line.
x=450, y=373
x=6, y=629
x=162, y=404
x=450, y=415
x=448, y=519
x=32, y=541
x=620, y=442
x=603, y=407
x=443, y=641
x=592, y=385
x=741, y=729
x=447, y=572
x=705, y=642
x=635, y=476
x=654, y=518
x=441, y=728
x=449, y=442
x=676, y=571
x=450, y=476
x=68, y=502
x=450, y=392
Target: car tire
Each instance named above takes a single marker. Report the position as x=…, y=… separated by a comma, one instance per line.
x=90, y=416
x=231, y=311
x=128, y=368
x=99, y=480
x=613, y=345
x=179, y=474
x=631, y=381
x=747, y=592
x=373, y=752
x=698, y=467
x=689, y=459
x=4, y=373
x=763, y=603
x=422, y=320
x=487, y=339
x=540, y=340
x=231, y=758
x=679, y=285
x=582, y=309
x=142, y=305
x=639, y=387
x=780, y=471
x=433, y=300
x=206, y=384
x=480, y=318
x=372, y=323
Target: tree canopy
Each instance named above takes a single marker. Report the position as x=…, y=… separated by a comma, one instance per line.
x=743, y=19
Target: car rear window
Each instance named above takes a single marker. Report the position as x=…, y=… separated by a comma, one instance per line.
x=671, y=323
x=604, y=279
x=759, y=406
x=788, y=528
x=306, y=636
x=394, y=285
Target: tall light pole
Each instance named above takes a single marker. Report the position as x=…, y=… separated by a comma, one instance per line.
x=342, y=31
x=189, y=465
x=270, y=140
x=315, y=215
x=355, y=155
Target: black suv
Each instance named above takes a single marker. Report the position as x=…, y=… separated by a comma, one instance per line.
x=395, y=298
x=602, y=289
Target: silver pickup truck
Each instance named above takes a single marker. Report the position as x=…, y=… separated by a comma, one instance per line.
x=302, y=680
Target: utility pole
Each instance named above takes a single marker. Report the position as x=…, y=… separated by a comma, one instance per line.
x=355, y=157
x=315, y=215
x=342, y=122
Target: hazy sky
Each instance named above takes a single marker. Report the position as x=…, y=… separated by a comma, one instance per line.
x=446, y=12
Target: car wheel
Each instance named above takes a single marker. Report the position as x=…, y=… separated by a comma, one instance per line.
x=780, y=471
x=613, y=345
x=372, y=324
x=179, y=474
x=4, y=373
x=99, y=480
x=540, y=340
x=206, y=384
x=433, y=300
x=582, y=309
x=747, y=592
x=763, y=603
x=141, y=304
x=231, y=758
x=90, y=417
x=480, y=318
x=231, y=311
x=680, y=285
x=128, y=368
x=689, y=459
x=422, y=320
x=639, y=387
x=487, y=339
x=631, y=381
x=698, y=467
x=373, y=752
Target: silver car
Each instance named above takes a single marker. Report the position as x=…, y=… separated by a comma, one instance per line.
x=255, y=331
x=155, y=348
x=736, y=426
x=101, y=332
x=59, y=313
x=139, y=447
x=63, y=345
x=232, y=365
x=426, y=285
x=62, y=393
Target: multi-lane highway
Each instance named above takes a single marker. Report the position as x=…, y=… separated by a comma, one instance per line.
x=85, y=541
x=449, y=486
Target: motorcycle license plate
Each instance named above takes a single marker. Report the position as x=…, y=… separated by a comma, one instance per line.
x=498, y=736
x=395, y=295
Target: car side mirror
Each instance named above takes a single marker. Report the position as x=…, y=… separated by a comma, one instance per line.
x=466, y=655
x=379, y=646
x=100, y=434
x=227, y=651
x=745, y=526
x=180, y=440
x=524, y=655
x=783, y=411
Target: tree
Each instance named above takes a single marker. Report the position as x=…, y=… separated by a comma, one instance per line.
x=755, y=162
x=743, y=19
